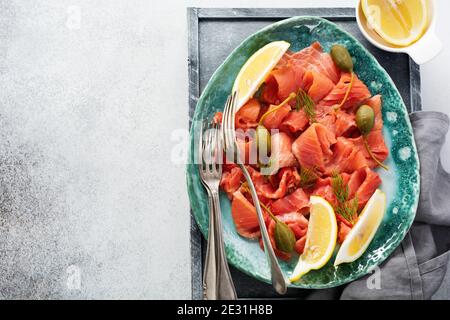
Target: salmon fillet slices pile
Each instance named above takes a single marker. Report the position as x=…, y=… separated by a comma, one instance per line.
x=330, y=144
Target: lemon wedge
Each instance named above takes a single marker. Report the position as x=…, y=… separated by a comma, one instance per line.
x=362, y=233
x=399, y=22
x=256, y=70
x=320, y=238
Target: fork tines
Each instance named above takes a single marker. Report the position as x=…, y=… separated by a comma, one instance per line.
x=228, y=133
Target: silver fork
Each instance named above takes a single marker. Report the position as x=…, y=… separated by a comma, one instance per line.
x=217, y=281
x=231, y=148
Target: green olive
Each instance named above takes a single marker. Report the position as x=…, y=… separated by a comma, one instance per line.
x=263, y=139
x=341, y=57
x=284, y=237
x=365, y=119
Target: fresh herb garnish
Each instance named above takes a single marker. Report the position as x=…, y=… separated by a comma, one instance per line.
x=308, y=177
x=345, y=208
x=340, y=189
x=303, y=100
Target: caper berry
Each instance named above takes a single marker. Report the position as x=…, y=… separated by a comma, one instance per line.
x=341, y=57
x=365, y=119
x=284, y=237
x=263, y=139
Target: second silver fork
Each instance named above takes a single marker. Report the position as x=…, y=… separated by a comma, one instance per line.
x=217, y=281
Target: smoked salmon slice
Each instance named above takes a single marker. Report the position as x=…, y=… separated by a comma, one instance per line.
x=324, y=189
x=275, y=118
x=377, y=145
x=346, y=157
x=290, y=74
x=294, y=218
x=285, y=79
x=292, y=178
x=358, y=92
x=312, y=147
x=313, y=58
x=267, y=190
x=362, y=184
x=297, y=201
x=317, y=85
x=300, y=245
x=345, y=123
x=231, y=181
x=299, y=231
x=244, y=216
x=270, y=91
x=295, y=121
x=282, y=81
x=371, y=182
x=343, y=232
x=247, y=115
x=328, y=119
x=282, y=155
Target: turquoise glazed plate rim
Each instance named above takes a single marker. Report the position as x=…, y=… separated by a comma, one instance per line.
x=401, y=183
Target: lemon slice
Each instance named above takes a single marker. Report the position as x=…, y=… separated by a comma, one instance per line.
x=256, y=70
x=320, y=238
x=399, y=22
x=362, y=233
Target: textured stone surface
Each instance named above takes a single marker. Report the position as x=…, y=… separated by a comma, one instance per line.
x=91, y=205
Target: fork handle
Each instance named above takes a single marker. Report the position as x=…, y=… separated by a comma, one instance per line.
x=278, y=281
x=226, y=289
x=210, y=271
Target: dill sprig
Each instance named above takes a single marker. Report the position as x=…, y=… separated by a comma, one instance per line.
x=345, y=208
x=348, y=210
x=303, y=100
x=308, y=177
x=340, y=189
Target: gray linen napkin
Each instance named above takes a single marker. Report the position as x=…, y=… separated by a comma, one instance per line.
x=417, y=268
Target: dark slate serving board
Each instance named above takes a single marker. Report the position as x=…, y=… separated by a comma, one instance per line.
x=213, y=34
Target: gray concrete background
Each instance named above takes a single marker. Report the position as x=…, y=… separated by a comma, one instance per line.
x=91, y=205
x=93, y=97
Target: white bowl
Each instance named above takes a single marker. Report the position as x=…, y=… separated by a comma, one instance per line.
x=421, y=51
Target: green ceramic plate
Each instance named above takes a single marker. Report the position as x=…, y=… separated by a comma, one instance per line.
x=400, y=183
